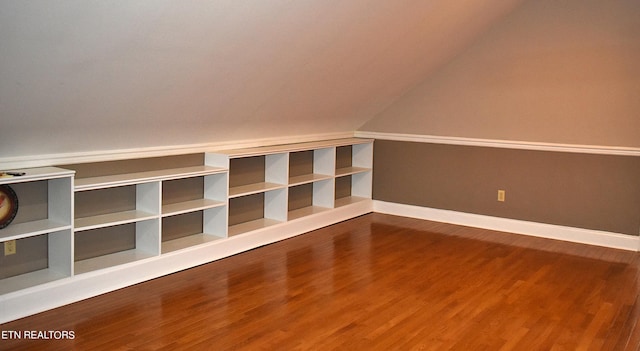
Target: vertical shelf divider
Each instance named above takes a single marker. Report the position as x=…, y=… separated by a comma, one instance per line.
x=324, y=162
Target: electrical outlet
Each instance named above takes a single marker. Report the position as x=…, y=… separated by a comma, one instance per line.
x=9, y=247
x=501, y=195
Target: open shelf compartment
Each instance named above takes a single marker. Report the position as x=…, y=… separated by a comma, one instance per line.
x=116, y=245
x=45, y=205
x=252, y=212
x=100, y=208
x=180, y=196
x=257, y=174
x=310, y=166
x=311, y=198
x=38, y=260
x=193, y=228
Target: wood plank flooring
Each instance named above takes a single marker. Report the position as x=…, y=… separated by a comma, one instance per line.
x=376, y=282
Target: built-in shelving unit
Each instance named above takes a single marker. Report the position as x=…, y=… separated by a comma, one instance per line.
x=99, y=227
x=275, y=184
x=354, y=174
x=41, y=229
x=127, y=217
x=194, y=211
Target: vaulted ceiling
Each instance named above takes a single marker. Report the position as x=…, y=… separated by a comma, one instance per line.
x=84, y=75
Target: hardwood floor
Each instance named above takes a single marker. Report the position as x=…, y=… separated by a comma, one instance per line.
x=376, y=282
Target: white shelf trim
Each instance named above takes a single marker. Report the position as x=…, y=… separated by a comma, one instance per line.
x=29, y=161
x=110, y=181
x=341, y=172
x=188, y=242
x=30, y=229
x=307, y=178
x=35, y=174
x=190, y=206
x=110, y=260
x=111, y=219
x=505, y=144
x=250, y=189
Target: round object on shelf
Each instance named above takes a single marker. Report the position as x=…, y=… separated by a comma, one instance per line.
x=8, y=205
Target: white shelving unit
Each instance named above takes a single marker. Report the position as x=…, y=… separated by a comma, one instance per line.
x=354, y=174
x=259, y=182
x=48, y=191
x=100, y=233
x=138, y=207
x=206, y=202
x=298, y=180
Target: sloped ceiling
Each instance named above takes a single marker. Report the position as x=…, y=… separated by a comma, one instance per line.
x=552, y=71
x=85, y=75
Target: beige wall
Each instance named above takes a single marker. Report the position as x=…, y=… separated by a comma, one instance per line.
x=563, y=71
x=599, y=192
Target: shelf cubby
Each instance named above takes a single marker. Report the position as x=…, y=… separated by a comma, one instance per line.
x=41, y=229
x=185, y=195
x=98, y=208
x=255, y=211
x=257, y=174
x=193, y=228
x=354, y=175
x=38, y=259
x=44, y=206
x=309, y=198
x=310, y=166
x=114, y=245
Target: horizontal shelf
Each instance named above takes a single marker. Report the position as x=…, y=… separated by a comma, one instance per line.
x=111, y=219
x=28, y=280
x=305, y=211
x=348, y=200
x=189, y=206
x=307, y=178
x=340, y=172
x=255, y=188
x=188, y=241
x=275, y=149
x=82, y=184
x=29, y=229
x=251, y=225
x=110, y=260
x=33, y=174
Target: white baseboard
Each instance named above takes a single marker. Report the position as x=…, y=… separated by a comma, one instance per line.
x=543, y=230
x=61, y=292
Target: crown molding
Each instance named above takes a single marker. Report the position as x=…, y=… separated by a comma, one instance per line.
x=506, y=144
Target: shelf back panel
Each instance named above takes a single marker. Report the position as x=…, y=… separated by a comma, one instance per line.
x=246, y=208
x=31, y=255
x=343, y=187
x=344, y=156
x=300, y=196
x=300, y=163
x=182, y=190
x=104, y=241
x=104, y=201
x=180, y=226
x=246, y=170
x=32, y=201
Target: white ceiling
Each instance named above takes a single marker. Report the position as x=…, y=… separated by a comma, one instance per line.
x=85, y=75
